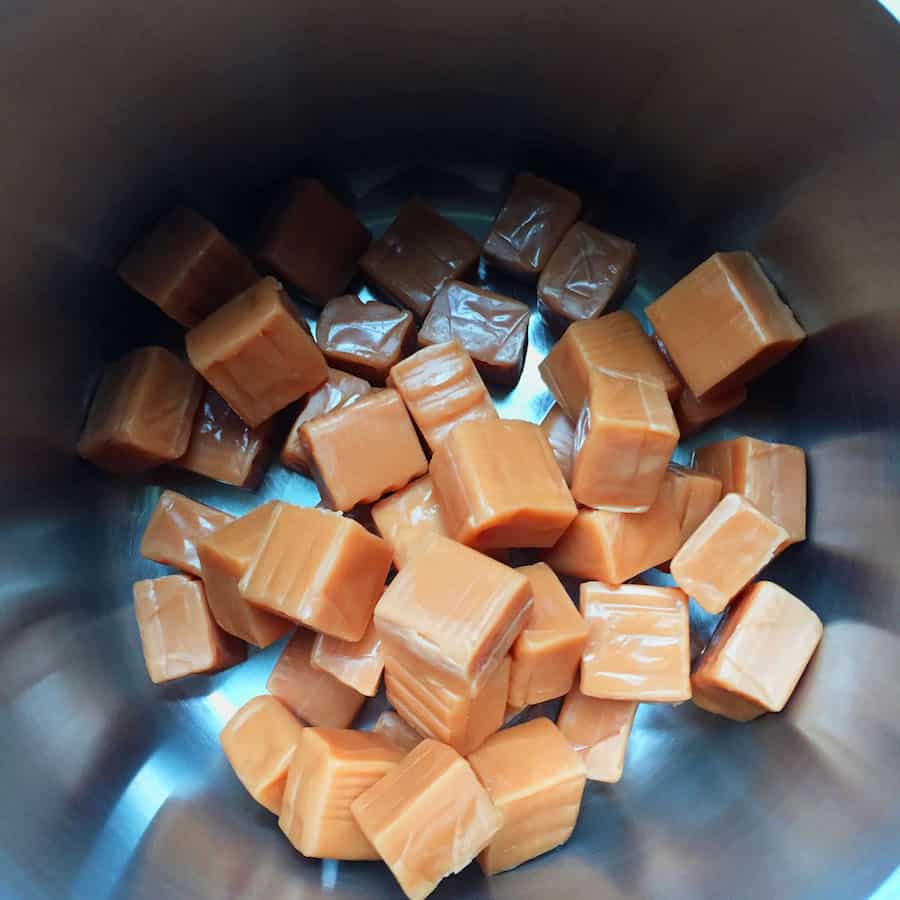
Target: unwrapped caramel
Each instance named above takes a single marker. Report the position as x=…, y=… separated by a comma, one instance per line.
x=560, y=432
x=407, y=517
x=355, y=663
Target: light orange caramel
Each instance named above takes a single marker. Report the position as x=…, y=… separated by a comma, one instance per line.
x=696, y=495
x=406, y=518
x=397, y=729
x=693, y=414
x=358, y=664
x=560, y=432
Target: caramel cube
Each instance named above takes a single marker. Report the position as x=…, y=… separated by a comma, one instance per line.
x=176, y=525
x=638, y=645
x=407, y=517
x=360, y=452
x=757, y=654
x=312, y=240
x=428, y=817
x=256, y=352
x=355, y=663
x=454, y=611
x=693, y=414
x=178, y=633
x=441, y=388
x=331, y=768
x=696, y=495
x=491, y=328
x=598, y=730
x=535, y=217
x=223, y=447
x=259, y=741
x=771, y=476
x=723, y=324
x=315, y=696
x=614, y=342
x=224, y=558
x=560, y=433
x=625, y=437
x=397, y=729
x=142, y=413
x=588, y=272
x=499, y=486
x=733, y=544
x=547, y=652
x=187, y=267
x=417, y=255
x=536, y=780
x=318, y=569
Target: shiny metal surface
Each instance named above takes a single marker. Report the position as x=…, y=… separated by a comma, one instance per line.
x=713, y=125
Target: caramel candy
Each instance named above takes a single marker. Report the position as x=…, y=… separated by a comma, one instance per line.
x=693, y=414
x=331, y=768
x=259, y=741
x=732, y=545
x=397, y=729
x=341, y=389
x=696, y=495
x=598, y=730
x=356, y=663
x=624, y=439
x=187, y=267
x=365, y=338
x=224, y=448
x=417, y=255
x=441, y=388
x=175, y=527
x=560, y=433
x=312, y=240
x=318, y=569
x=771, y=476
x=491, y=328
x=499, y=486
x=547, y=652
x=142, y=413
x=530, y=226
x=536, y=780
x=428, y=817
x=614, y=342
x=454, y=611
x=407, y=517
x=757, y=654
x=723, y=324
x=360, y=452
x=178, y=634
x=638, y=645
x=315, y=696
x=588, y=272
x=256, y=352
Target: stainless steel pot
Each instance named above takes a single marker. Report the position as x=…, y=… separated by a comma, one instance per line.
x=690, y=127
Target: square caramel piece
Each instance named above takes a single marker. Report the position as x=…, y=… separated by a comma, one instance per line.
x=406, y=518
x=223, y=447
x=142, y=413
x=224, y=557
x=624, y=439
x=259, y=741
x=534, y=219
x=638, y=646
x=331, y=768
x=692, y=414
x=536, y=780
x=732, y=545
x=339, y=390
x=441, y=388
x=355, y=663
x=723, y=324
x=499, y=486
x=454, y=611
x=256, y=352
x=429, y=817
x=588, y=273
x=547, y=652
x=318, y=569
x=365, y=339
x=187, y=267
x=312, y=241
x=614, y=342
x=771, y=476
x=417, y=255
x=312, y=695
x=598, y=730
x=491, y=328
x=696, y=495
x=560, y=433
x=757, y=654
x=176, y=525
x=360, y=452
x=397, y=729
x=178, y=633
